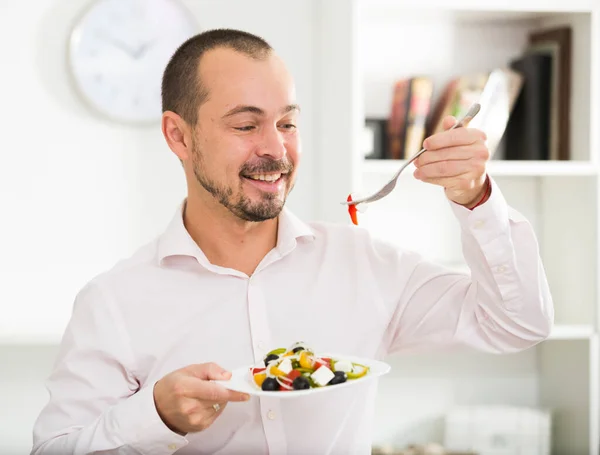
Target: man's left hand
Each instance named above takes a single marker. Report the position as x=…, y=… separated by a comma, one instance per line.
x=456, y=160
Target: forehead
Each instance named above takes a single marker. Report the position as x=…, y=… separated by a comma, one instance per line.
x=232, y=78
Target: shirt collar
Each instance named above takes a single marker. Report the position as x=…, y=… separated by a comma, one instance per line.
x=176, y=240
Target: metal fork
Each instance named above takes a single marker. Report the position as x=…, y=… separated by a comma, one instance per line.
x=387, y=189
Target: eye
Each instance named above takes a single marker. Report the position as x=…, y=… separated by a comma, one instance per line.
x=245, y=128
x=288, y=126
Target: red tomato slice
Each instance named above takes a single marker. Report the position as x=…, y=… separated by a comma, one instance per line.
x=257, y=370
x=293, y=374
x=325, y=361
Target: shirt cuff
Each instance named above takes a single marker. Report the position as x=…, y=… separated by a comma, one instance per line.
x=490, y=218
x=143, y=429
x=490, y=227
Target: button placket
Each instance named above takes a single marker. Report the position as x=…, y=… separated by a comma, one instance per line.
x=261, y=339
x=273, y=424
x=259, y=327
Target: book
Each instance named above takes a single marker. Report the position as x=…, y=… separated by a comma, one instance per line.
x=496, y=91
x=528, y=129
x=557, y=42
x=411, y=103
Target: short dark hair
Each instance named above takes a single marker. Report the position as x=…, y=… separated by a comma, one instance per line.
x=182, y=90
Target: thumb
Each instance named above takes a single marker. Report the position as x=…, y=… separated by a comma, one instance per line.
x=448, y=122
x=209, y=371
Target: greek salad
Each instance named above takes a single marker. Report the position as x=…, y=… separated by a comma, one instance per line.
x=299, y=368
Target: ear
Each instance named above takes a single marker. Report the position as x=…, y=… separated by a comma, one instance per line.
x=177, y=133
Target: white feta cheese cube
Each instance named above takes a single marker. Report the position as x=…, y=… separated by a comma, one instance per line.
x=285, y=365
x=343, y=365
x=322, y=376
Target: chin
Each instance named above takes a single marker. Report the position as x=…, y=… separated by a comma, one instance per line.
x=262, y=210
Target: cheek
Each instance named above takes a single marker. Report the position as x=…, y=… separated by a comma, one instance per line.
x=294, y=148
x=227, y=154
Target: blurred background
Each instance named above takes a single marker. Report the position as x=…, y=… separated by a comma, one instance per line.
x=86, y=178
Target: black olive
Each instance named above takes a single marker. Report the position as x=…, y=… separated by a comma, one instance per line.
x=270, y=358
x=270, y=384
x=299, y=348
x=301, y=383
x=339, y=377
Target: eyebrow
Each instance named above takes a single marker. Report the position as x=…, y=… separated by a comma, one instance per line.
x=257, y=110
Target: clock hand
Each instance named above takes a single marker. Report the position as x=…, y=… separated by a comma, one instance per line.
x=142, y=50
x=120, y=45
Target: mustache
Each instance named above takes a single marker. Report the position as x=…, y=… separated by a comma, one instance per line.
x=267, y=166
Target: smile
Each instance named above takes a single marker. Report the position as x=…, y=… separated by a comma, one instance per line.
x=265, y=177
x=270, y=183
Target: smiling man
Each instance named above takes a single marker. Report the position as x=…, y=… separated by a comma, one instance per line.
x=236, y=274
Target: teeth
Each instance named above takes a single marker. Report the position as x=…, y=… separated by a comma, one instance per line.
x=267, y=178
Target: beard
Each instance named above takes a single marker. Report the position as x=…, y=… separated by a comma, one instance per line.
x=269, y=207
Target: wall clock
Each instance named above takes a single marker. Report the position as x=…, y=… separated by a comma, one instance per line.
x=118, y=50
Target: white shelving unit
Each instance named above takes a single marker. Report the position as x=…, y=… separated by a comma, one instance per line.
x=367, y=45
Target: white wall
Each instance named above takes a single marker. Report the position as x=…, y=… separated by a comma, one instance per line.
x=78, y=193
x=22, y=371
x=81, y=192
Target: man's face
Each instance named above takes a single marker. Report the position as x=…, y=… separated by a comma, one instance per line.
x=246, y=145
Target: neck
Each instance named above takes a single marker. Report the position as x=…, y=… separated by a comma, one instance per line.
x=226, y=240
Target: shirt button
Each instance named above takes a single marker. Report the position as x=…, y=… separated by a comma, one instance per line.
x=501, y=269
x=271, y=415
x=172, y=446
x=260, y=345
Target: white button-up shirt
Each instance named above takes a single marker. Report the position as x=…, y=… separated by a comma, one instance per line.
x=331, y=286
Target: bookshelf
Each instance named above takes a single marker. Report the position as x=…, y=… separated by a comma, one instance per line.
x=369, y=44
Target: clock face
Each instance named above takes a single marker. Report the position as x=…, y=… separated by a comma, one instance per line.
x=119, y=50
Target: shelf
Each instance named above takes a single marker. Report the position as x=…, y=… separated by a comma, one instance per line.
x=499, y=7
x=501, y=168
x=571, y=332
x=382, y=42
x=30, y=339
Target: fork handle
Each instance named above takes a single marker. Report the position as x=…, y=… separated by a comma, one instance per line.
x=462, y=122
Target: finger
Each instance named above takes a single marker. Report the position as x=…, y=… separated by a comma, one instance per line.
x=209, y=371
x=211, y=410
x=237, y=396
x=463, y=182
x=451, y=153
x=208, y=414
x=448, y=122
x=192, y=387
x=455, y=137
x=443, y=169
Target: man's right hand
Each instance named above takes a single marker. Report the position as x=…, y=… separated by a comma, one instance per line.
x=185, y=398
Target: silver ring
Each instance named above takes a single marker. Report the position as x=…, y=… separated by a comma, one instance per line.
x=216, y=407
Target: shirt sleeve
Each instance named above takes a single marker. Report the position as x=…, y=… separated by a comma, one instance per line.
x=96, y=404
x=503, y=306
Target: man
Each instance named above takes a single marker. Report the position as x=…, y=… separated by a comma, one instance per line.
x=236, y=274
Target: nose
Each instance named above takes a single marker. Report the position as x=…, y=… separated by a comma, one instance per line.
x=273, y=144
